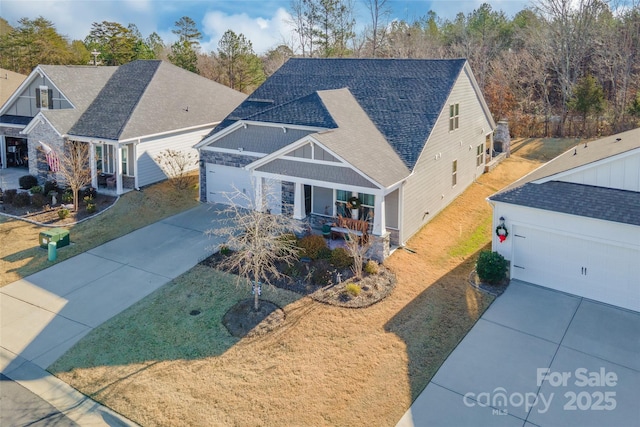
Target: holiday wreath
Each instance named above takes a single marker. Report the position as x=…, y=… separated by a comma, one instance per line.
x=501, y=232
x=353, y=203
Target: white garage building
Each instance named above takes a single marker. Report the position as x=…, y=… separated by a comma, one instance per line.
x=574, y=224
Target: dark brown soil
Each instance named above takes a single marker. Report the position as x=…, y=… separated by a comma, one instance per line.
x=49, y=215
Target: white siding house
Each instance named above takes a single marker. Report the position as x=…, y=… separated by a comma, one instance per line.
x=574, y=223
x=387, y=132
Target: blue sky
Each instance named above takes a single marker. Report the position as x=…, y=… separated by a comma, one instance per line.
x=264, y=22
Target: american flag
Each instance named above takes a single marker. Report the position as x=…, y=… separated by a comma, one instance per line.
x=51, y=156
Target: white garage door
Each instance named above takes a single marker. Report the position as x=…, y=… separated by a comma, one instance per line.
x=595, y=270
x=226, y=181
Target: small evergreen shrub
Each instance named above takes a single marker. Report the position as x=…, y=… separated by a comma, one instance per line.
x=67, y=197
x=88, y=192
x=22, y=200
x=352, y=289
x=39, y=200
x=491, y=267
x=27, y=181
x=224, y=250
x=91, y=207
x=50, y=186
x=324, y=253
x=312, y=246
x=340, y=258
x=321, y=273
x=9, y=195
x=63, y=213
x=36, y=189
x=371, y=267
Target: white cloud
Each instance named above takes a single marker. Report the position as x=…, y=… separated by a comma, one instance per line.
x=264, y=33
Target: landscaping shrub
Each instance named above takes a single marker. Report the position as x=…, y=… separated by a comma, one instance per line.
x=225, y=250
x=352, y=289
x=50, y=186
x=88, y=192
x=21, y=200
x=340, y=258
x=39, y=200
x=371, y=267
x=491, y=267
x=321, y=273
x=36, y=189
x=27, y=181
x=312, y=246
x=324, y=253
x=63, y=213
x=9, y=195
x=67, y=197
x=91, y=207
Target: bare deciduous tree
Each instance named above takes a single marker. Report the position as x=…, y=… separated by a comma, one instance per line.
x=256, y=240
x=177, y=165
x=74, y=167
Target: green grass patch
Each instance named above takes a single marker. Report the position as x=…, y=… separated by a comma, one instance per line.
x=543, y=149
x=478, y=238
x=22, y=255
x=181, y=320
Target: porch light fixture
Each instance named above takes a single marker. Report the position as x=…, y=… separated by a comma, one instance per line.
x=502, y=220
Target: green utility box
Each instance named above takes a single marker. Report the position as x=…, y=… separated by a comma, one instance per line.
x=58, y=235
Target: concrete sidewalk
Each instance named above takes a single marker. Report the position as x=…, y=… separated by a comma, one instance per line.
x=45, y=314
x=538, y=357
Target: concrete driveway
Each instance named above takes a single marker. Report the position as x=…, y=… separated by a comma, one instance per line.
x=538, y=357
x=45, y=314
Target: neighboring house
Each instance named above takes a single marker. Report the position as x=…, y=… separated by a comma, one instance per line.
x=9, y=82
x=574, y=223
x=404, y=136
x=128, y=115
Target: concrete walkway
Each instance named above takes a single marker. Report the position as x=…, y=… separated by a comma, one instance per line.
x=538, y=357
x=45, y=314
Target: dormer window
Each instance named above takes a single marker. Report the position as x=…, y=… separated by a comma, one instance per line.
x=44, y=97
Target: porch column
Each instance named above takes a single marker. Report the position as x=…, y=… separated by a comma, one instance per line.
x=134, y=164
x=298, y=202
x=118, y=168
x=3, y=153
x=379, y=220
x=92, y=165
x=257, y=191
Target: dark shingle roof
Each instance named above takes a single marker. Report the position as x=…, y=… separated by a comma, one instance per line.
x=109, y=113
x=15, y=120
x=402, y=97
x=577, y=199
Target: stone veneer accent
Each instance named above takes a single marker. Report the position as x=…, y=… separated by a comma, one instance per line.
x=380, y=249
x=40, y=168
x=216, y=158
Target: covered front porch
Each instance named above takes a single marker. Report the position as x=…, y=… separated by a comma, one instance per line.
x=112, y=167
x=320, y=203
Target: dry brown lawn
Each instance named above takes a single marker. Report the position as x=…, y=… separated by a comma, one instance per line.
x=21, y=255
x=327, y=365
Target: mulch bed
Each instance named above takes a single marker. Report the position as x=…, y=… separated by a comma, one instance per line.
x=495, y=289
x=374, y=287
x=49, y=215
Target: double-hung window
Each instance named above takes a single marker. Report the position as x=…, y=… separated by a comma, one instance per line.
x=454, y=116
x=480, y=155
x=454, y=173
x=44, y=98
